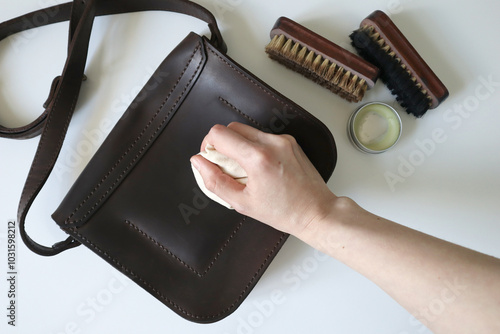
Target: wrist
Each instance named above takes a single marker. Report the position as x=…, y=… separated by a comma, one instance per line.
x=323, y=231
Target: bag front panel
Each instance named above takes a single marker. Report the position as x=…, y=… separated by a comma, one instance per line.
x=156, y=226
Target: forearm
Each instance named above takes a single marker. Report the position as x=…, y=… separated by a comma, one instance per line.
x=448, y=287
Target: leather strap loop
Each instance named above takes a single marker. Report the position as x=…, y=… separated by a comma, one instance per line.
x=60, y=105
x=30, y=130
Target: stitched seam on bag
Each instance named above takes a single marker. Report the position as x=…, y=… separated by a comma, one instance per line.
x=241, y=112
x=136, y=140
x=212, y=262
x=161, y=296
x=67, y=221
x=255, y=83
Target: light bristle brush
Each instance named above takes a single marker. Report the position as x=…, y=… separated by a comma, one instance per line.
x=321, y=60
x=415, y=85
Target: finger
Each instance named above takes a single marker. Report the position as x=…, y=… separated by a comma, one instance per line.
x=247, y=131
x=217, y=181
x=230, y=143
x=206, y=140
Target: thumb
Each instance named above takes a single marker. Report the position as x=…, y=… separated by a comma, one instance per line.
x=218, y=182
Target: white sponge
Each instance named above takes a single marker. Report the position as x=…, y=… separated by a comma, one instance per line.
x=227, y=165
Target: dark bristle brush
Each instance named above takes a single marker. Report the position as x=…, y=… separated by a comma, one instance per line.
x=415, y=85
x=321, y=60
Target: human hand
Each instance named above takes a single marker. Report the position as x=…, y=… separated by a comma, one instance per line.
x=284, y=190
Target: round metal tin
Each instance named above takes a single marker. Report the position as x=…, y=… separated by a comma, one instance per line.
x=374, y=127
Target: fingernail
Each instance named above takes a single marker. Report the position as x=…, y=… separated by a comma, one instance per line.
x=195, y=163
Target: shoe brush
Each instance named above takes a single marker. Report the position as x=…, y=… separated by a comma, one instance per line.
x=415, y=85
x=321, y=60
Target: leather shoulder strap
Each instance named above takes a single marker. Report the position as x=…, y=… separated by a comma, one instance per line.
x=73, y=11
x=54, y=122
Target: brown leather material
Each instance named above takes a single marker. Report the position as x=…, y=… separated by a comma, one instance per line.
x=28, y=131
x=137, y=204
x=73, y=12
x=64, y=92
x=59, y=112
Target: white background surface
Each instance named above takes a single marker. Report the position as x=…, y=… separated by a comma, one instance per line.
x=450, y=190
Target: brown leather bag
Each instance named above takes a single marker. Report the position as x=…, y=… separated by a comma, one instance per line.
x=137, y=204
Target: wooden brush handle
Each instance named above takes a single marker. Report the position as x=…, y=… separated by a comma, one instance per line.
x=327, y=49
x=408, y=55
